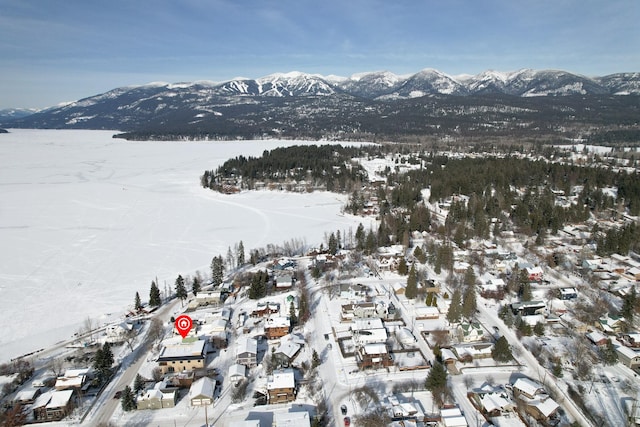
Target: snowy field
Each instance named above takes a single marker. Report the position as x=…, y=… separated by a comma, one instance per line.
x=87, y=220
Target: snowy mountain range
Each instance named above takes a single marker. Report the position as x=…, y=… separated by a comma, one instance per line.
x=295, y=101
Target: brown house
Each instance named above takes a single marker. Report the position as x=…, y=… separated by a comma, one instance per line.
x=276, y=327
x=53, y=405
x=373, y=356
x=281, y=386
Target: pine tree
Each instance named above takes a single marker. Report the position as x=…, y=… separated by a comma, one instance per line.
x=360, y=237
x=138, y=383
x=333, y=244
x=258, y=288
x=196, y=286
x=469, y=304
x=436, y=383
x=181, y=291
x=128, y=400
x=217, y=270
x=608, y=354
x=628, y=306
x=230, y=259
x=292, y=314
x=137, y=304
x=154, y=295
x=107, y=355
x=420, y=255
x=455, y=308
x=402, y=267
x=538, y=329
x=102, y=361
x=240, y=254
x=412, y=284
x=315, y=360
x=502, y=350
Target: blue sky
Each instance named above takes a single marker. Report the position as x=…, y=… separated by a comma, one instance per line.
x=53, y=51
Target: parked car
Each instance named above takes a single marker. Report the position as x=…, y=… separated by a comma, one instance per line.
x=343, y=409
x=347, y=421
x=118, y=394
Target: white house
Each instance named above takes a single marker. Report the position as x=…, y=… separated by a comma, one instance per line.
x=470, y=332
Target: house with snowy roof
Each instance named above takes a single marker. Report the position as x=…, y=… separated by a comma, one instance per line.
x=542, y=410
x=529, y=389
x=628, y=357
x=597, y=338
x=183, y=355
x=158, y=397
x=286, y=352
x=247, y=351
x=276, y=327
x=281, y=386
x=291, y=419
x=53, y=405
x=201, y=392
x=611, y=324
x=469, y=332
x=72, y=379
x=237, y=373
x=401, y=408
x=631, y=339
x=373, y=355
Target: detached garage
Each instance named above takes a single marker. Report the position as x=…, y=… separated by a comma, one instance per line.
x=201, y=392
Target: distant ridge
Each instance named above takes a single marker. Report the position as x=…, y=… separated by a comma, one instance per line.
x=295, y=104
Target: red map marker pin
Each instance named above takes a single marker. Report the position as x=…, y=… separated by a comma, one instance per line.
x=183, y=325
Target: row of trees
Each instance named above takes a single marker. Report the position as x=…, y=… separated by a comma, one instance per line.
x=328, y=166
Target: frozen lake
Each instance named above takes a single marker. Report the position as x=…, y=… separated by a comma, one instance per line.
x=87, y=220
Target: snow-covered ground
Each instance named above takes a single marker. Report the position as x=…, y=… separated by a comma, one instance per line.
x=87, y=220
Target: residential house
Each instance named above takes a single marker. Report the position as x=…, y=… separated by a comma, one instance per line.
x=291, y=419
x=368, y=331
x=406, y=410
x=399, y=288
x=27, y=396
x=568, y=294
x=427, y=312
x=448, y=357
x=542, y=410
x=284, y=281
x=470, y=352
x=452, y=417
x=73, y=379
x=528, y=389
x=204, y=298
x=373, y=356
x=496, y=403
x=202, y=391
x=631, y=340
x=287, y=352
x=116, y=333
x=237, y=373
x=276, y=327
x=266, y=310
x=611, y=324
x=159, y=397
x=534, y=274
x=53, y=405
x=470, y=332
x=281, y=386
x=628, y=357
x=597, y=338
x=528, y=308
x=247, y=352
x=184, y=355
